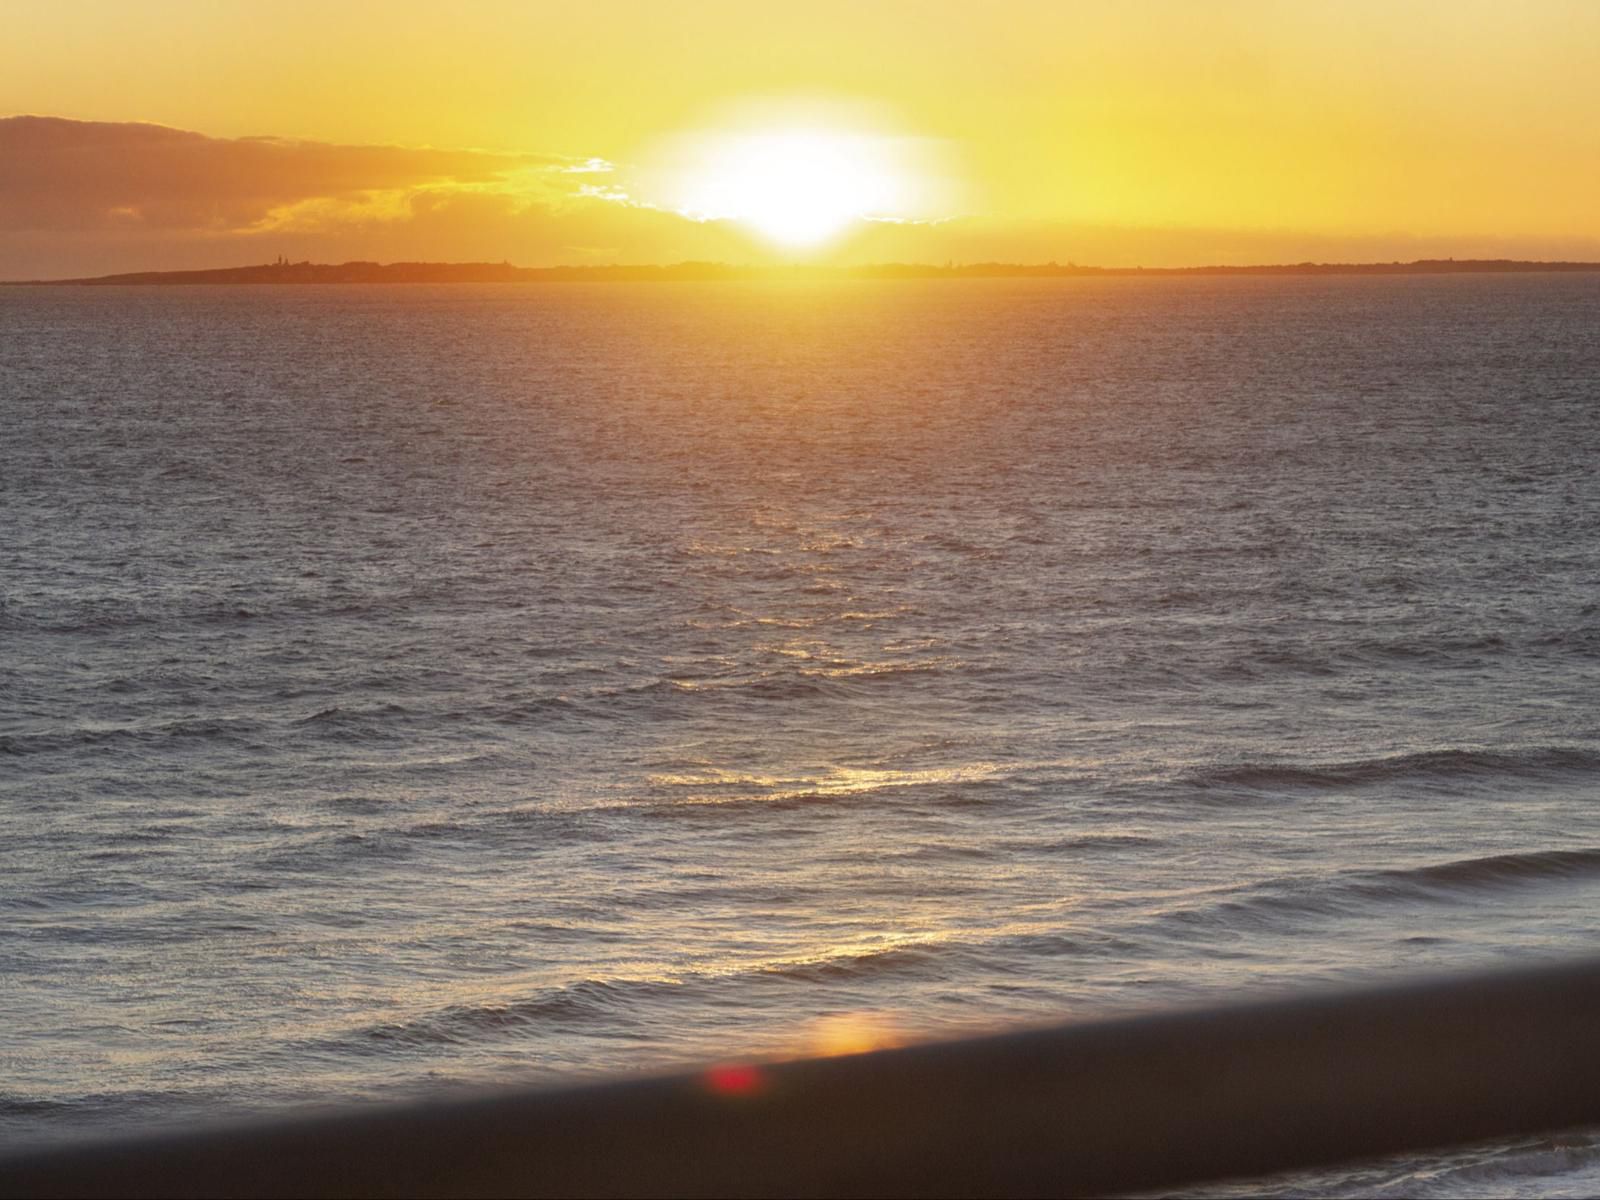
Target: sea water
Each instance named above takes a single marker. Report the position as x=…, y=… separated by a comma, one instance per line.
x=413, y=688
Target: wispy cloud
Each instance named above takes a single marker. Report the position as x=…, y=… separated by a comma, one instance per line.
x=89, y=175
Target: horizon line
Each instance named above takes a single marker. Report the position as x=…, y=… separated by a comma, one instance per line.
x=283, y=271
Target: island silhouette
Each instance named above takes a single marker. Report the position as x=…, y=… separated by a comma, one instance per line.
x=284, y=272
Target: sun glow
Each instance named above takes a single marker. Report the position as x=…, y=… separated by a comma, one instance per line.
x=798, y=187
x=800, y=173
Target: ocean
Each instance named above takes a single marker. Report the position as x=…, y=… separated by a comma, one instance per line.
x=410, y=689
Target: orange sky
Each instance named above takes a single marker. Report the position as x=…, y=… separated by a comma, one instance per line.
x=1161, y=133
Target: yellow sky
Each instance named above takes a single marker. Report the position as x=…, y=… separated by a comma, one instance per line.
x=1161, y=132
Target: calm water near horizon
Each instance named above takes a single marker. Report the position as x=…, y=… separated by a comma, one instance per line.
x=413, y=688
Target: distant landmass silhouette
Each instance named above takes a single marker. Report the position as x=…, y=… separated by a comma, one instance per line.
x=503, y=272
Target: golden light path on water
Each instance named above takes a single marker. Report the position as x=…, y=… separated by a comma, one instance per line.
x=835, y=635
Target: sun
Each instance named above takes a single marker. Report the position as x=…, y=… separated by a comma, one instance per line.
x=800, y=173
x=798, y=187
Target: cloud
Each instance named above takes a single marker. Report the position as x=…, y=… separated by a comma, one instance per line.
x=62, y=175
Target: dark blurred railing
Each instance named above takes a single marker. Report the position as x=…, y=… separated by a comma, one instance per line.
x=1145, y=1102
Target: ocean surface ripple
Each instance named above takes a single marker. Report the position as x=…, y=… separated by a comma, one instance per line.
x=404, y=689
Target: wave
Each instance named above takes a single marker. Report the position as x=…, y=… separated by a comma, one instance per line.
x=682, y=697
x=1566, y=1164
x=65, y=1119
x=1427, y=765
x=1273, y=903
x=586, y=1003
x=961, y=851
x=113, y=616
x=458, y=1024
x=1499, y=869
x=13, y=1105
x=1256, y=660
x=1094, y=841
x=379, y=723
x=114, y=613
x=916, y=958
x=230, y=729
x=375, y=724
x=719, y=808
x=908, y=791
x=337, y=715
x=653, y=699
x=601, y=1001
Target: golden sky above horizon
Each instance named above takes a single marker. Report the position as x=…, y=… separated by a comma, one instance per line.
x=1164, y=132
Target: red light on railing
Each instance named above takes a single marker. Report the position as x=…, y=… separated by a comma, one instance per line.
x=736, y=1080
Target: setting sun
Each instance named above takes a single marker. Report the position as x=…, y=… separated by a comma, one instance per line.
x=796, y=187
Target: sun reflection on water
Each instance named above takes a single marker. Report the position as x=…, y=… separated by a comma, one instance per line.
x=836, y=781
x=838, y=1034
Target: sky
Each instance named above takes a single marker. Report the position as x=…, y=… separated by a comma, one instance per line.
x=180, y=133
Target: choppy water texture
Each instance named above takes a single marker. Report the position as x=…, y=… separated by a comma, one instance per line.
x=403, y=688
